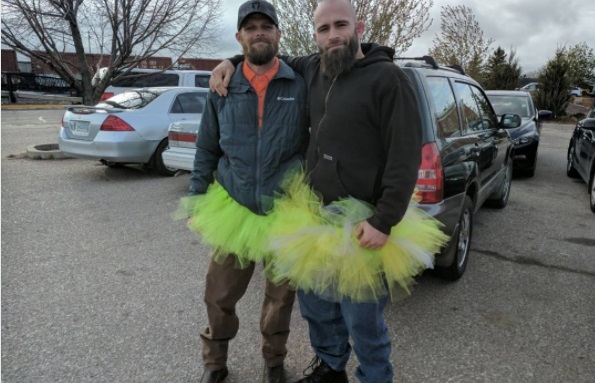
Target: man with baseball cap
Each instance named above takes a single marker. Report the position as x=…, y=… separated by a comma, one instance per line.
x=246, y=143
x=257, y=6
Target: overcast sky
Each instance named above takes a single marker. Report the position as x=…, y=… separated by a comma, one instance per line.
x=535, y=28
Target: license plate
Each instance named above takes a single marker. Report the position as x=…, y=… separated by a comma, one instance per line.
x=79, y=128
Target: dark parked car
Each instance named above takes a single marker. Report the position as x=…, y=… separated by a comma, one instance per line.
x=526, y=136
x=467, y=155
x=581, y=154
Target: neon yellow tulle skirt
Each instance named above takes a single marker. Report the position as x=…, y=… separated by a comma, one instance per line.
x=227, y=226
x=314, y=247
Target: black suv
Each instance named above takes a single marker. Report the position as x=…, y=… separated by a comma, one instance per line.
x=581, y=154
x=467, y=155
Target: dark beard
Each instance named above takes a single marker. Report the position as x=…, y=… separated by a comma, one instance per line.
x=260, y=56
x=337, y=61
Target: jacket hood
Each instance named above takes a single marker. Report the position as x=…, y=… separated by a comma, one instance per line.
x=374, y=53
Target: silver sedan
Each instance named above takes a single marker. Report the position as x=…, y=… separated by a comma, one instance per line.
x=130, y=128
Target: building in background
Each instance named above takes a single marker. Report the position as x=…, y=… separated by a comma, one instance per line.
x=9, y=61
x=95, y=62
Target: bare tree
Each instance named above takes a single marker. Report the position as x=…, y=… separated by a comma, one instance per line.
x=395, y=23
x=128, y=31
x=461, y=40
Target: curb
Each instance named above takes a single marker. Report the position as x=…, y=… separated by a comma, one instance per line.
x=45, y=152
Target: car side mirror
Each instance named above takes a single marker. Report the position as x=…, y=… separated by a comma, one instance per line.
x=510, y=121
x=588, y=124
x=544, y=114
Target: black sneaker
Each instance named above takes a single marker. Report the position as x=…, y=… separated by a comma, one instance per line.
x=322, y=373
x=213, y=376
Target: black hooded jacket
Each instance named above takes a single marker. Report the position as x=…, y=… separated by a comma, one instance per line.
x=366, y=136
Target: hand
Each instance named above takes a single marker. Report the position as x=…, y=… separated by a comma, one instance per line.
x=220, y=76
x=369, y=237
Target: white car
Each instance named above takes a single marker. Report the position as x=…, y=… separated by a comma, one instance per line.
x=182, y=148
x=130, y=128
x=575, y=91
x=140, y=78
x=531, y=87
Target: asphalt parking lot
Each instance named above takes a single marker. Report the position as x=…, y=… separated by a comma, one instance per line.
x=99, y=284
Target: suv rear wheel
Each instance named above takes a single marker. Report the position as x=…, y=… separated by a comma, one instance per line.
x=462, y=237
x=592, y=191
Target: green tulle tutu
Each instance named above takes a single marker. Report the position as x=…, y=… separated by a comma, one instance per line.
x=227, y=226
x=315, y=248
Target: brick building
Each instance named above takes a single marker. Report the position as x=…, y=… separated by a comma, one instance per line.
x=9, y=61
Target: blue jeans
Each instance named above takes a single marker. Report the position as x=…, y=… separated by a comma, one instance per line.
x=332, y=323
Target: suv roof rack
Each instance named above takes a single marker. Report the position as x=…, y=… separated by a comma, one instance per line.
x=458, y=68
x=429, y=60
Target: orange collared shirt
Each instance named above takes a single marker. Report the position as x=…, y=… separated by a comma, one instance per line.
x=260, y=84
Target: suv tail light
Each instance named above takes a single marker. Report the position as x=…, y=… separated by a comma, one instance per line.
x=430, y=179
x=116, y=124
x=185, y=137
x=106, y=95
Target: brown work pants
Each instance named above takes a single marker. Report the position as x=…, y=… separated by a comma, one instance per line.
x=226, y=284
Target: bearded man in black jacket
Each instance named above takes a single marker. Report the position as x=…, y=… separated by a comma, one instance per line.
x=365, y=143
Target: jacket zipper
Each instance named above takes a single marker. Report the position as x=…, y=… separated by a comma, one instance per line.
x=258, y=164
x=324, y=116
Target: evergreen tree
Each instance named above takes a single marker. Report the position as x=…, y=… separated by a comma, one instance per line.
x=502, y=71
x=555, y=83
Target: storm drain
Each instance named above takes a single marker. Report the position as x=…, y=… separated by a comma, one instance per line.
x=45, y=152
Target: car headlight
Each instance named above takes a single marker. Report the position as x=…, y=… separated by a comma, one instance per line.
x=524, y=139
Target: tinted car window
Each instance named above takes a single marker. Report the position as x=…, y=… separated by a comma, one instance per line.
x=146, y=80
x=477, y=114
x=446, y=114
x=201, y=81
x=489, y=118
x=132, y=99
x=189, y=103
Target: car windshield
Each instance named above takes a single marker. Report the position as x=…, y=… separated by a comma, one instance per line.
x=134, y=99
x=511, y=105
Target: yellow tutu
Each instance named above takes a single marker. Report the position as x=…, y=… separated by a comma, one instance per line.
x=314, y=246
x=226, y=225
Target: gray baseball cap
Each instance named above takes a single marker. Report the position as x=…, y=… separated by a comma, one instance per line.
x=251, y=7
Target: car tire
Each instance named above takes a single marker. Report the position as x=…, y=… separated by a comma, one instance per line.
x=570, y=169
x=533, y=161
x=503, y=192
x=158, y=164
x=462, y=236
x=531, y=172
x=592, y=190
